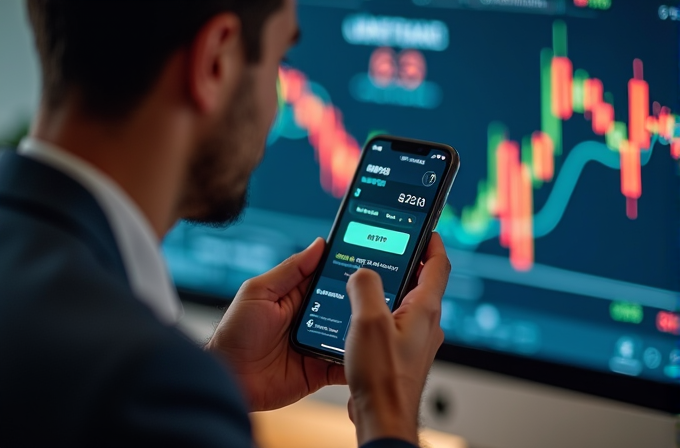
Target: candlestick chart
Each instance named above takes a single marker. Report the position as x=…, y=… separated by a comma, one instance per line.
x=504, y=208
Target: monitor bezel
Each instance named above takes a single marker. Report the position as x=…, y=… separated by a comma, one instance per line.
x=664, y=397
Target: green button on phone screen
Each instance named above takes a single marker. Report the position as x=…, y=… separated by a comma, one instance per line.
x=376, y=238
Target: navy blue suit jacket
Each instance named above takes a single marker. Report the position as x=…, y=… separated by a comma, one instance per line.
x=82, y=361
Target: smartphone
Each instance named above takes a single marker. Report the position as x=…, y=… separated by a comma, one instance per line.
x=384, y=223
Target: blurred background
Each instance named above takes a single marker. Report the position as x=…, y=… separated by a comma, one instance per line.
x=19, y=72
x=563, y=112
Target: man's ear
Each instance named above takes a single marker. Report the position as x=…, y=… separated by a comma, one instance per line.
x=216, y=61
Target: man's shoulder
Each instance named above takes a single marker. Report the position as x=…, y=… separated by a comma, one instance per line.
x=47, y=268
x=61, y=299
x=80, y=353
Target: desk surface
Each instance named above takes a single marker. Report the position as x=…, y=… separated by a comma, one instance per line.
x=312, y=424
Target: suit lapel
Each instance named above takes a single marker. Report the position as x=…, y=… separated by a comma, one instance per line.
x=33, y=188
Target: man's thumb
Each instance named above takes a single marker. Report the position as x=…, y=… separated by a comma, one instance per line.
x=289, y=274
x=366, y=294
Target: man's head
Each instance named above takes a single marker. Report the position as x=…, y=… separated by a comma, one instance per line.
x=215, y=61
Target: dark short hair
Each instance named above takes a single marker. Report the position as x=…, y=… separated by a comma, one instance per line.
x=112, y=51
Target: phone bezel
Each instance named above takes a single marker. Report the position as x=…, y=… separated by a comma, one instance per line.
x=411, y=146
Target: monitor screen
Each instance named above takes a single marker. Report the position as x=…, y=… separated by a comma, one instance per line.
x=563, y=227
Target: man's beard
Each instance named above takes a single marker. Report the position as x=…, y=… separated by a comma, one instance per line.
x=219, y=154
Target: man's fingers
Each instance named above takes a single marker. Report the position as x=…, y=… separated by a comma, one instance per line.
x=336, y=375
x=322, y=373
x=437, y=267
x=350, y=409
x=434, y=275
x=366, y=295
x=291, y=273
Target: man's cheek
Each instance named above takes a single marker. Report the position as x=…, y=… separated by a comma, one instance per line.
x=271, y=106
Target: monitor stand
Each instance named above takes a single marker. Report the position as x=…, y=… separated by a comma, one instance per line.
x=495, y=411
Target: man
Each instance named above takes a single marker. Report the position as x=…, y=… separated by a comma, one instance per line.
x=154, y=111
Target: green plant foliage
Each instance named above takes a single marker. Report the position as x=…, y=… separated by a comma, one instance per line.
x=12, y=138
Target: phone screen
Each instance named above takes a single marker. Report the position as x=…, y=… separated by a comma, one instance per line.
x=379, y=227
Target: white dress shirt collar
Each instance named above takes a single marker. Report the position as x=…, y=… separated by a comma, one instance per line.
x=138, y=245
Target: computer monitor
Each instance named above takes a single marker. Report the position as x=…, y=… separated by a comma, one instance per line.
x=538, y=328
x=592, y=309
x=563, y=226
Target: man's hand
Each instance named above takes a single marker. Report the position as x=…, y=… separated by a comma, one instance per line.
x=388, y=356
x=253, y=336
